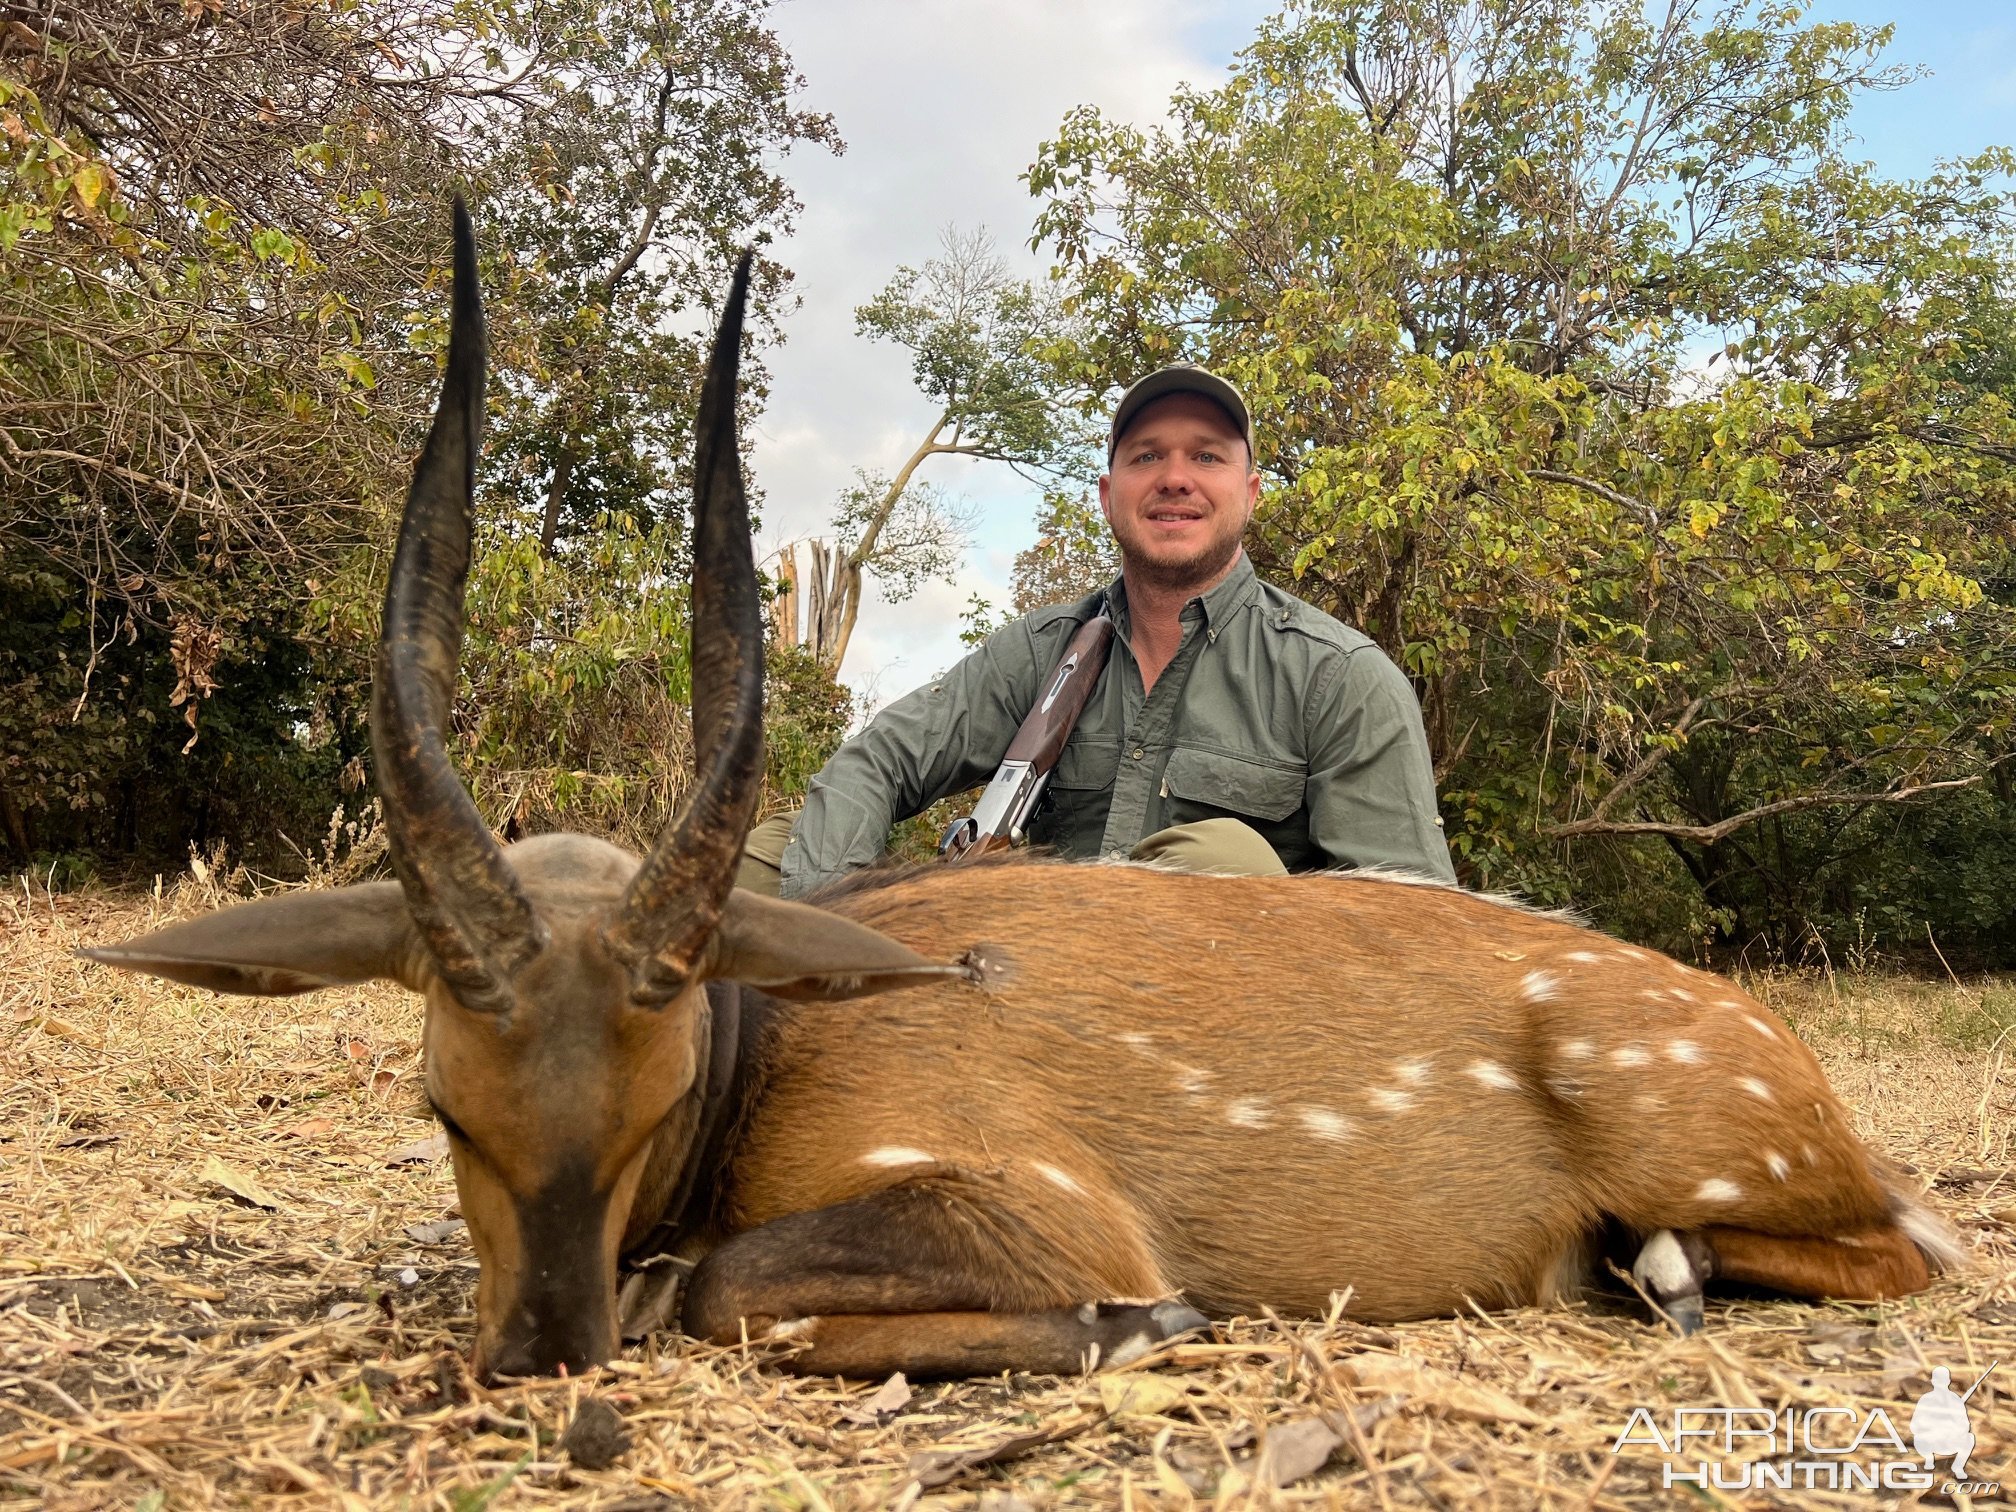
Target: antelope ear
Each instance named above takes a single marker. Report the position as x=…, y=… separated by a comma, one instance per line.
x=284, y=945
x=792, y=950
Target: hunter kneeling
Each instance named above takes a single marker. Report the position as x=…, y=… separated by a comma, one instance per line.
x=1235, y=729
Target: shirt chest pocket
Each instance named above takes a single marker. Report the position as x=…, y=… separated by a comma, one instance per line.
x=1207, y=784
x=1077, y=798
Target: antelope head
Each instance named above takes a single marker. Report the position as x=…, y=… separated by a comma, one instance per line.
x=563, y=977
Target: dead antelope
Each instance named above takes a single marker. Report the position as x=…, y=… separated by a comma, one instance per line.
x=1101, y=1089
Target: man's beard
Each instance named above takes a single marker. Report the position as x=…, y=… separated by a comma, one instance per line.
x=1175, y=577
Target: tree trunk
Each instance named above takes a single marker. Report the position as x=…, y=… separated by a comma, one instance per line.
x=556, y=495
x=16, y=824
x=784, y=609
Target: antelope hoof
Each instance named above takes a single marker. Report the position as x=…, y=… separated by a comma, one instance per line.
x=1147, y=1327
x=1685, y=1313
x=1175, y=1318
x=1671, y=1269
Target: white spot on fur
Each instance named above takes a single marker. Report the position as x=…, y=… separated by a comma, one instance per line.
x=1058, y=1178
x=1539, y=986
x=1324, y=1124
x=1681, y=993
x=791, y=1328
x=1564, y=1087
x=1134, y=1041
x=1686, y=1052
x=1662, y=1268
x=1756, y=1088
x=1491, y=1074
x=1412, y=1073
x=1191, y=1079
x=1248, y=1113
x=1576, y=1050
x=1777, y=1164
x=1760, y=1026
x=1630, y=1055
x=897, y=1155
x=1391, y=1099
x=1586, y=957
x=1715, y=1189
x=1806, y=1153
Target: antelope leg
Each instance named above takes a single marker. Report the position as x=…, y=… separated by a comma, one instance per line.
x=928, y=1282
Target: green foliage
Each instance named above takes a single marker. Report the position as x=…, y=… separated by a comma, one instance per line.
x=222, y=248
x=806, y=714
x=1667, y=449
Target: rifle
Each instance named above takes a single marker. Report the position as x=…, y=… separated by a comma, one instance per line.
x=998, y=819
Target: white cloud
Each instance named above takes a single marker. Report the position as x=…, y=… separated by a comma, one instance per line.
x=943, y=107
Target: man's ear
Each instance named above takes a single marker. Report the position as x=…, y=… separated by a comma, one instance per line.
x=284, y=945
x=792, y=950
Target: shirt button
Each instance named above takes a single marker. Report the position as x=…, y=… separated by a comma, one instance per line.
x=1138, y=753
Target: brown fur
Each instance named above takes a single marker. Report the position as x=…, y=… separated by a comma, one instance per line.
x=1297, y=999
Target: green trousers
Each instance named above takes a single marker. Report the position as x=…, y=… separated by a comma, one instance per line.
x=1223, y=847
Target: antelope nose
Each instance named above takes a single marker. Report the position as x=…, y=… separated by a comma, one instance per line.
x=571, y=1347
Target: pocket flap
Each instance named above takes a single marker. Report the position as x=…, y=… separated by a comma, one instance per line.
x=1086, y=764
x=1230, y=782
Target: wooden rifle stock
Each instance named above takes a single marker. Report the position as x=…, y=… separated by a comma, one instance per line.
x=998, y=819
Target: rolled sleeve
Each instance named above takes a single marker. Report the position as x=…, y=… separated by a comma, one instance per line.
x=938, y=740
x=1371, y=790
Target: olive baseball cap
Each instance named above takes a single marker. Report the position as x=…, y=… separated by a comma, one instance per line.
x=1182, y=378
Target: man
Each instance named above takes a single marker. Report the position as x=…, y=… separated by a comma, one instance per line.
x=1235, y=728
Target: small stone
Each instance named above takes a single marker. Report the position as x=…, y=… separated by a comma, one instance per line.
x=409, y=1277
x=596, y=1438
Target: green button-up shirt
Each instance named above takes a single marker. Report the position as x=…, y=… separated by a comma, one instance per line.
x=1270, y=712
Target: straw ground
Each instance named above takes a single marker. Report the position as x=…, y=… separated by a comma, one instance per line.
x=231, y=1274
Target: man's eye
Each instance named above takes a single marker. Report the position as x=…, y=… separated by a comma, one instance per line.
x=1209, y=456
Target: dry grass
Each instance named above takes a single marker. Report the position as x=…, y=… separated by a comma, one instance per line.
x=166, y=1342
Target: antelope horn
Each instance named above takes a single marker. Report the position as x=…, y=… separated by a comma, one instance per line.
x=463, y=895
x=669, y=914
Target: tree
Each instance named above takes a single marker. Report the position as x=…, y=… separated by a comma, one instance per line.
x=643, y=159
x=1655, y=438
x=972, y=331
x=221, y=234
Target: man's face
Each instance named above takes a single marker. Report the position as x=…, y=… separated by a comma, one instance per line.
x=1179, y=494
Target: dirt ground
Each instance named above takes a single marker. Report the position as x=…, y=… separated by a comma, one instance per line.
x=231, y=1275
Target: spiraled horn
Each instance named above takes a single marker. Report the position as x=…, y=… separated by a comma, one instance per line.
x=462, y=893
x=675, y=899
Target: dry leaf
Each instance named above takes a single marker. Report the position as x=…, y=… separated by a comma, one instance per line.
x=308, y=1128
x=1292, y=1450
x=420, y=1152
x=438, y=1232
x=891, y=1396
x=1438, y=1390
x=86, y=1141
x=244, y=1187
x=1138, y=1395
x=71, y=1032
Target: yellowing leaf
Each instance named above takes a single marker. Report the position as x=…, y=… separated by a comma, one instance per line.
x=1138, y=1395
x=88, y=184
x=245, y=1187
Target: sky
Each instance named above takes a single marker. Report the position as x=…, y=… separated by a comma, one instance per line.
x=943, y=104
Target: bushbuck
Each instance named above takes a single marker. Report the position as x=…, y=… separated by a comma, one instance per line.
x=1021, y=1114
